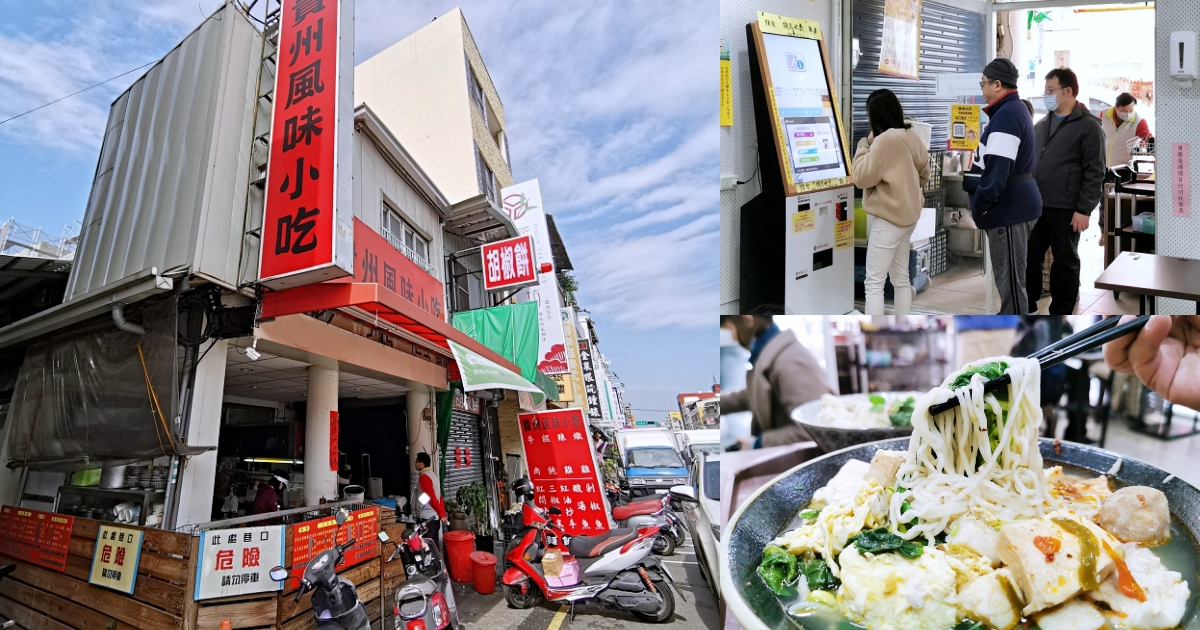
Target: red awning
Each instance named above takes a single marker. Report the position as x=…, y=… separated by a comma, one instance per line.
x=381, y=303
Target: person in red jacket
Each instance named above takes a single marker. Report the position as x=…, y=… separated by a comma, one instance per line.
x=429, y=483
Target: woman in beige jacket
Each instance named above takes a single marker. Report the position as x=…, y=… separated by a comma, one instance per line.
x=891, y=166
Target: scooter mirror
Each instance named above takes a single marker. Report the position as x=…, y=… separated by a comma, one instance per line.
x=423, y=499
x=555, y=511
x=279, y=574
x=340, y=516
x=683, y=493
x=383, y=537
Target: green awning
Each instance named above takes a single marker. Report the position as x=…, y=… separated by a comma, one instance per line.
x=511, y=331
x=547, y=384
x=479, y=372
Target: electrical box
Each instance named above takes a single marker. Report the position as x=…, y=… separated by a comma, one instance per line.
x=1183, y=55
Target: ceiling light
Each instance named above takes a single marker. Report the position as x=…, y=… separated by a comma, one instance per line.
x=246, y=370
x=254, y=387
x=358, y=389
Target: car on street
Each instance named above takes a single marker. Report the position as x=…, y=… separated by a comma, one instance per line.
x=701, y=514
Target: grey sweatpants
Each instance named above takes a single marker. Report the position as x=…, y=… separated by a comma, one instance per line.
x=1008, y=247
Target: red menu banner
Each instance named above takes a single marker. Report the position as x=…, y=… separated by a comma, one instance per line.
x=41, y=538
x=376, y=260
x=559, y=453
x=312, y=537
x=509, y=263
x=302, y=238
x=333, y=441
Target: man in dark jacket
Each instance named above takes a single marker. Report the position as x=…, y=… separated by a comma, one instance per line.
x=1070, y=175
x=1005, y=201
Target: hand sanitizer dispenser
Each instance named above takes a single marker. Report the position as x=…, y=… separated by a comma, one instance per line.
x=1183, y=56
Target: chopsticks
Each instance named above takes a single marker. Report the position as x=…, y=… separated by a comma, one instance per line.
x=1089, y=339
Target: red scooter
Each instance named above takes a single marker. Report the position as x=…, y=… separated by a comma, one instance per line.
x=614, y=569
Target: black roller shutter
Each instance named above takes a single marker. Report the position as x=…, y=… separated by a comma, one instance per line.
x=952, y=41
x=464, y=435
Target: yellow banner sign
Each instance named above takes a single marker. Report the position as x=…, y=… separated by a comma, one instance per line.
x=803, y=221
x=964, y=127
x=575, y=376
x=115, y=559
x=726, y=86
x=843, y=234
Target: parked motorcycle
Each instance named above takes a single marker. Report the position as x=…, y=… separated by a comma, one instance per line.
x=335, y=602
x=655, y=509
x=426, y=600
x=614, y=569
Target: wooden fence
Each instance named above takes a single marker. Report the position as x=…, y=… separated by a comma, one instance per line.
x=44, y=599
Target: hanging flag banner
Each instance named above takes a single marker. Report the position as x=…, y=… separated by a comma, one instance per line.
x=36, y=537
x=307, y=232
x=901, y=50
x=523, y=203
x=238, y=561
x=509, y=264
x=115, y=558
x=576, y=370
x=562, y=466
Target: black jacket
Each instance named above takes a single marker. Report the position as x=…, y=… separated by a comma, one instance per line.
x=1002, y=191
x=1070, y=162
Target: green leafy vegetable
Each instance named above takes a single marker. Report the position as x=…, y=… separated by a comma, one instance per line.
x=988, y=371
x=816, y=571
x=880, y=540
x=877, y=402
x=901, y=415
x=779, y=570
x=809, y=515
x=967, y=624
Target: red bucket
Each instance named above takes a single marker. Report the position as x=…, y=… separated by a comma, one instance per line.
x=484, y=565
x=460, y=544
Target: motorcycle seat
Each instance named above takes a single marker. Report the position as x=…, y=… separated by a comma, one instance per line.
x=592, y=546
x=641, y=508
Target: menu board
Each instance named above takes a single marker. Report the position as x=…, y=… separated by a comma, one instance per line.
x=41, y=538
x=312, y=537
x=562, y=467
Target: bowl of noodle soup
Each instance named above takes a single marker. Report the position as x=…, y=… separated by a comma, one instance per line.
x=837, y=422
x=984, y=456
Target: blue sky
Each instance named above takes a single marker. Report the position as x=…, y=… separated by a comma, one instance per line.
x=611, y=105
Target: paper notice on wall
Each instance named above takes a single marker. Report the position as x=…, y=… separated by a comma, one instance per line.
x=964, y=127
x=961, y=84
x=899, y=55
x=726, y=86
x=1181, y=195
x=803, y=221
x=843, y=234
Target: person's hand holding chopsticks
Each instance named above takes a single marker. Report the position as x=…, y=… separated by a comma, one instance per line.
x=1164, y=355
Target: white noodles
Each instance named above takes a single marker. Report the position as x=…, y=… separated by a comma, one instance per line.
x=1115, y=467
x=940, y=473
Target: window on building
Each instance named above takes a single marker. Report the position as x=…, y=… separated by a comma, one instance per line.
x=476, y=92
x=405, y=238
x=487, y=179
x=466, y=283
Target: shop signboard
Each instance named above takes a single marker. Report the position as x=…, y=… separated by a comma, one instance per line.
x=509, y=264
x=590, y=389
x=238, y=561
x=562, y=466
x=575, y=389
x=465, y=402
x=115, y=558
x=307, y=232
x=333, y=441
x=312, y=537
x=523, y=203
x=41, y=538
x=381, y=263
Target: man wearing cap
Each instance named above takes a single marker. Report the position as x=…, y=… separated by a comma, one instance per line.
x=1005, y=201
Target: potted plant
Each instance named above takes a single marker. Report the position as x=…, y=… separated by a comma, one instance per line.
x=458, y=518
x=473, y=499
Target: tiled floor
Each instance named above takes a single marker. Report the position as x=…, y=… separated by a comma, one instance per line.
x=1177, y=456
x=961, y=288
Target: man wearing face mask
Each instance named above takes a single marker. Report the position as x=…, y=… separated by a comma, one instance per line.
x=1122, y=124
x=1070, y=175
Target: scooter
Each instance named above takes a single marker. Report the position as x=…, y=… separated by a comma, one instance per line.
x=426, y=600
x=615, y=569
x=335, y=602
x=654, y=510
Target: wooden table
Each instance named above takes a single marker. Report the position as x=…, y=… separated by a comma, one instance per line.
x=1152, y=275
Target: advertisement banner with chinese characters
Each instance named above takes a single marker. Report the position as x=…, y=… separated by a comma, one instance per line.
x=590, y=389
x=312, y=537
x=41, y=538
x=964, y=127
x=238, y=561
x=115, y=559
x=562, y=467
x=523, y=203
x=901, y=38
x=379, y=262
x=307, y=232
x=333, y=441
x=509, y=264
x=576, y=373
x=479, y=372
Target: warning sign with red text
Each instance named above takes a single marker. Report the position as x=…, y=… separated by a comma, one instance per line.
x=559, y=454
x=238, y=561
x=307, y=234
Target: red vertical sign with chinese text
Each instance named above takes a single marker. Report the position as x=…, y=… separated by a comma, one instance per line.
x=41, y=538
x=558, y=453
x=303, y=240
x=333, y=441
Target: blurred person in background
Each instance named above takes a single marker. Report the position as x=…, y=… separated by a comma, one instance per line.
x=1034, y=333
x=735, y=360
x=985, y=336
x=1122, y=124
x=783, y=376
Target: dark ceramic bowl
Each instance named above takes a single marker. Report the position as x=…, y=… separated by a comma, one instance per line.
x=772, y=510
x=832, y=439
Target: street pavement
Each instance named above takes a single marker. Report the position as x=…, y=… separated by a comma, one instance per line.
x=491, y=612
